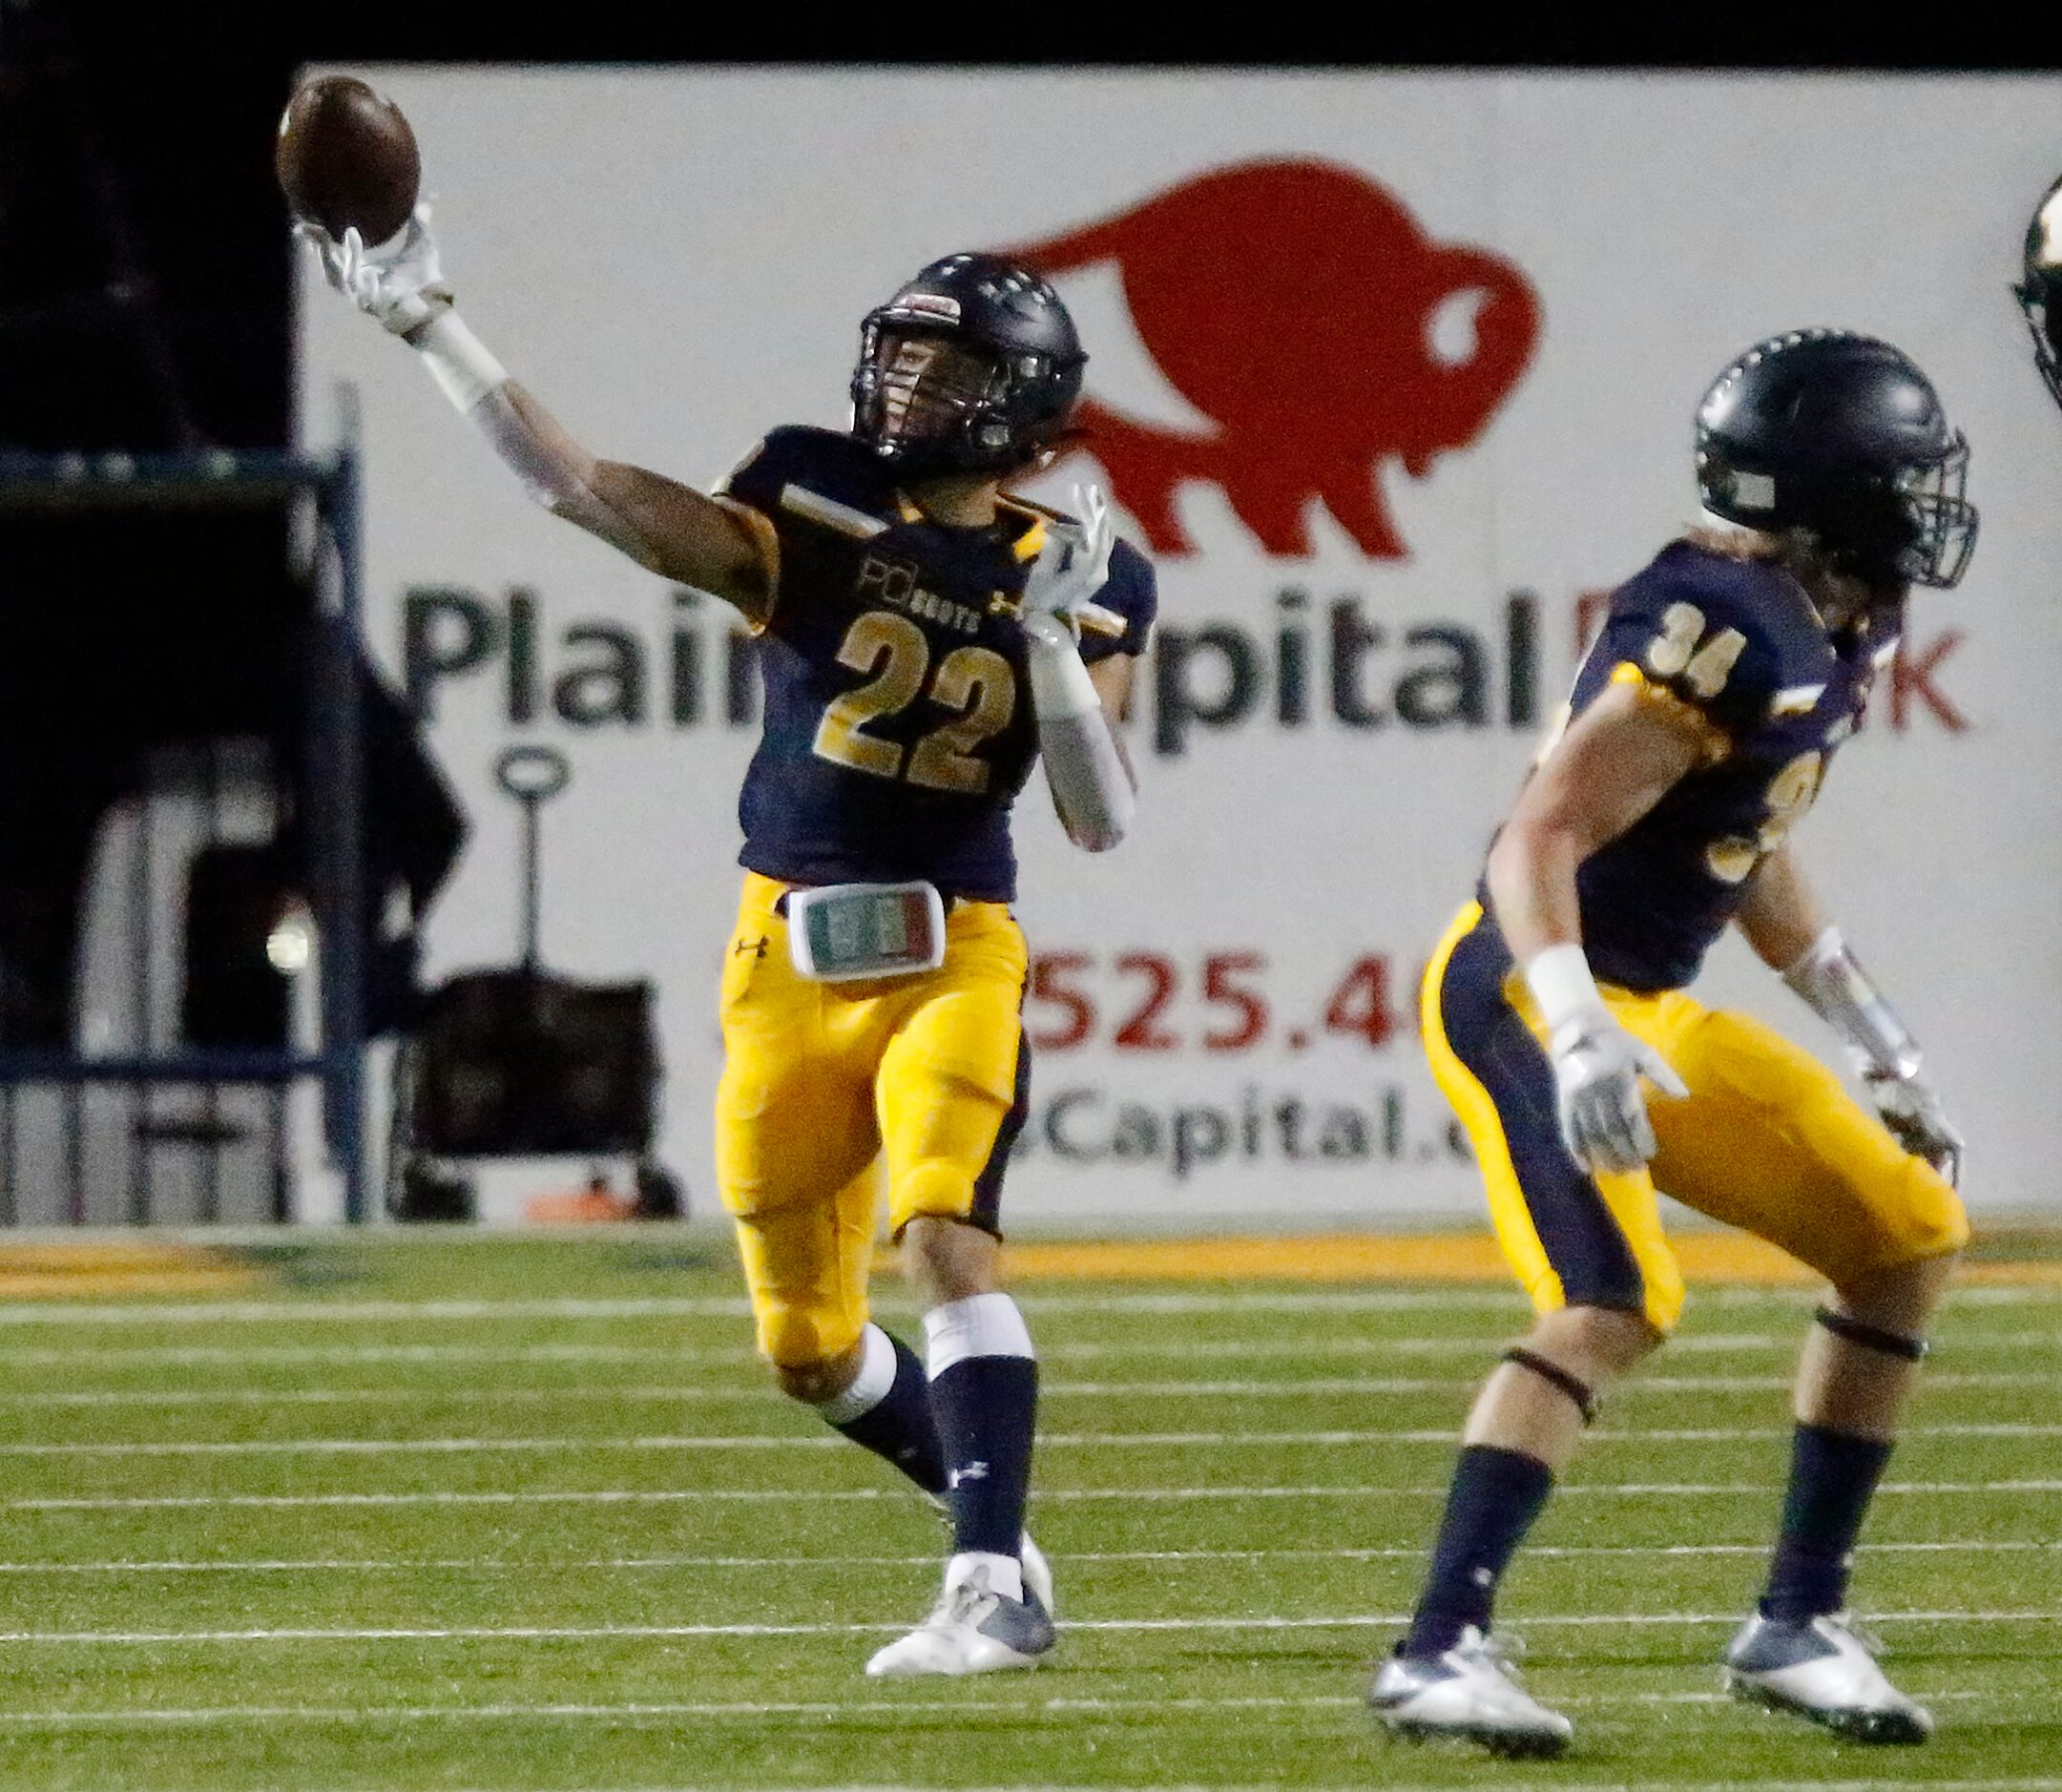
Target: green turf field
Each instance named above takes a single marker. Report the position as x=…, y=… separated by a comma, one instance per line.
x=524, y=1515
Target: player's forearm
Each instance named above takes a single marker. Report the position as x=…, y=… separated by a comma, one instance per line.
x=554, y=470
x=1085, y=769
x=1782, y=916
x=1531, y=882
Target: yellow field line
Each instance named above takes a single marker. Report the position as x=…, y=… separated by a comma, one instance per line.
x=120, y=1267
x=1708, y=1256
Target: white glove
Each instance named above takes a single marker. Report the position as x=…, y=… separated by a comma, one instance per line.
x=1912, y=1110
x=398, y=283
x=1074, y=565
x=1597, y=1070
x=1596, y=1065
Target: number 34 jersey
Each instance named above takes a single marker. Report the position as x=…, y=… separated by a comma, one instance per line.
x=898, y=725
x=1738, y=645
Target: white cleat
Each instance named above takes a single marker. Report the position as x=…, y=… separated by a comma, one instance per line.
x=1821, y=1670
x=1470, y=1693
x=971, y=1630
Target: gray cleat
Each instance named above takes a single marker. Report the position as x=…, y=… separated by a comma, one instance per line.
x=1821, y=1670
x=1469, y=1693
x=971, y=1630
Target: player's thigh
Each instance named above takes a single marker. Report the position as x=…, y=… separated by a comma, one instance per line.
x=796, y=1145
x=954, y=1084
x=1770, y=1141
x=1570, y=1238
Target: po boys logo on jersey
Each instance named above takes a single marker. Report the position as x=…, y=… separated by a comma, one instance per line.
x=1296, y=305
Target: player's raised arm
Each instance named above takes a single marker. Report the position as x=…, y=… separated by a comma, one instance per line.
x=1793, y=935
x=1620, y=758
x=662, y=524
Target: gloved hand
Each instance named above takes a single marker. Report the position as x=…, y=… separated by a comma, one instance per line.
x=1912, y=1109
x=399, y=283
x=1597, y=1070
x=1073, y=566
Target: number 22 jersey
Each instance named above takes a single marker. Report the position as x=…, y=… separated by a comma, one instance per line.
x=898, y=725
x=1736, y=644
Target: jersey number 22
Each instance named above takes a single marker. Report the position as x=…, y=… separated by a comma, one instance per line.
x=895, y=654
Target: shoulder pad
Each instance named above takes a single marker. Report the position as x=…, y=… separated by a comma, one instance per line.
x=1725, y=635
x=826, y=463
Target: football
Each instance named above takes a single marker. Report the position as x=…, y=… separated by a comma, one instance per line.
x=345, y=156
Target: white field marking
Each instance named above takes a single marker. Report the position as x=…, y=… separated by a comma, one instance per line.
x=589, y=1632
x=1712, y=1344
x=588, y=1393
x=724, y=1306
x=1050, y=1440
x=676, y=1496
x=1201, y=1558
x=1031, y=1708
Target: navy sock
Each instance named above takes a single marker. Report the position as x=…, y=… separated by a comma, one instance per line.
x=1495, y=1496
x=1833, y=1478
x=900, y=1428
x=987, y=1408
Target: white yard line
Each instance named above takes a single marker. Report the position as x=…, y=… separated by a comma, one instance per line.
x=1101, y=1300
x=146, y=1356
x=590, y=1392
x=661, y=1496
x=1053, y=1440
x=1033, y=1708
x=1200, y=1558
x=586, y=1633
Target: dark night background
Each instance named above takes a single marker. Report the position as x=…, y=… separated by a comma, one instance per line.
x=144, y=281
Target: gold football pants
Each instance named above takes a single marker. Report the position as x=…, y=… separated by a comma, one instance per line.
x=1767, y=1140
x=825, y=1083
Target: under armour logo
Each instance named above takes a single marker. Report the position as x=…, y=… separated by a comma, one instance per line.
x=973, y=1471
x=757, y=948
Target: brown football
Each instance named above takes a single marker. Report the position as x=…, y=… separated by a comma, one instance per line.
x=345, y=156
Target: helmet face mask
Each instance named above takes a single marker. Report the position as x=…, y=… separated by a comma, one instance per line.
x=1839, y=436
x=972, y=367
x=1943, y=520
x=925, y=388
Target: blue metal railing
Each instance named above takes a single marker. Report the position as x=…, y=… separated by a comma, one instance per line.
x=334, y=722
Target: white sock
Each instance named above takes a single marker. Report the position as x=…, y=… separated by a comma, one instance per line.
x=981, y=1325
x=1005, y=1572
x=870, y=1387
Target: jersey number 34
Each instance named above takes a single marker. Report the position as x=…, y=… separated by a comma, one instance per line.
x=976, y=682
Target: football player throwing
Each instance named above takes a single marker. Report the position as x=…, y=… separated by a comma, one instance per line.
x=923, y=635
x=1726, y=676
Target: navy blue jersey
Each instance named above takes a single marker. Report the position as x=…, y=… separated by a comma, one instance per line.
x=897, y=727
x=1737, y=642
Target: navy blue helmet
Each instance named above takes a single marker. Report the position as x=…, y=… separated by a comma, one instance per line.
x=973, y=367
x=2039, y=290
x=1840, y=435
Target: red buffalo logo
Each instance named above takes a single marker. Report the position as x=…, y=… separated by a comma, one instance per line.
x=1294, y=304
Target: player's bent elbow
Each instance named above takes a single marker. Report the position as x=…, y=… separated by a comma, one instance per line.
x=1099, y=836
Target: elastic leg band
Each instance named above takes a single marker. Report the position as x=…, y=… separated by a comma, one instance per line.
x=1573, y=1387
x=1889, y=1343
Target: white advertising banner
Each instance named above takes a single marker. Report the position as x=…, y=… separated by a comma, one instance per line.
x=1392, y=377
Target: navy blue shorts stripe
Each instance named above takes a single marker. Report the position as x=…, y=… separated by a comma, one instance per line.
x=1582, y=1240
x=987, y=1210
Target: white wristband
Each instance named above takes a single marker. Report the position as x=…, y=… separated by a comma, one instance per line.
x=1561, y=983
x=458, y=361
